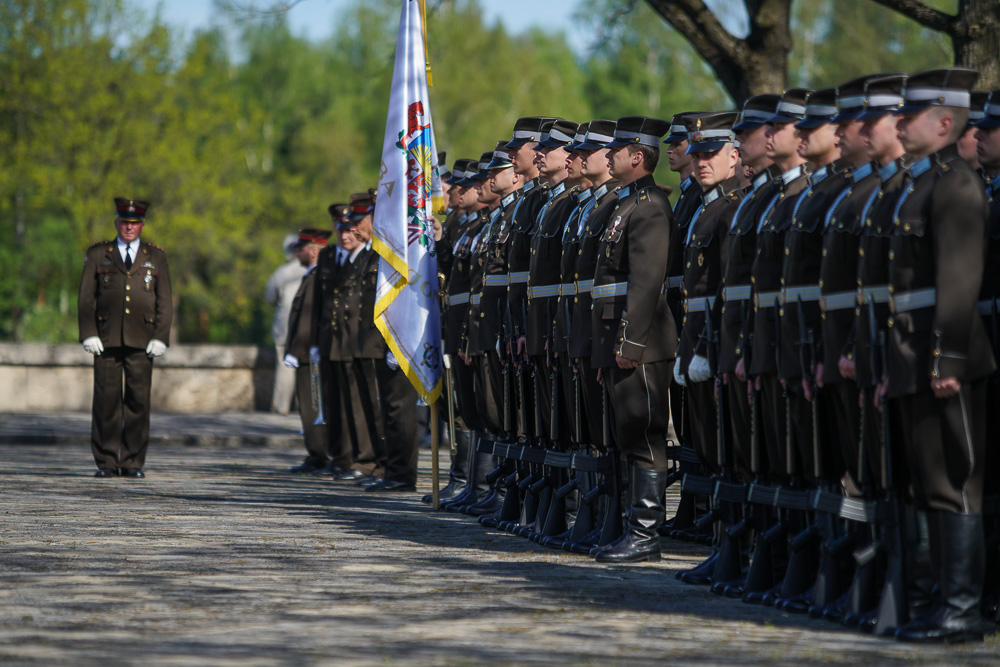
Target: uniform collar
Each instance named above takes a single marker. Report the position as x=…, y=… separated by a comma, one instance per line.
x=134, y=245
x=686, y=183
x=557, y=190
x=583, y=195
x=887, y=172
x=529, y=186
x=920, y=166
x=602, y=190
x=994, y=183
x=506, y=201
x=792, y=174
x=862, y=172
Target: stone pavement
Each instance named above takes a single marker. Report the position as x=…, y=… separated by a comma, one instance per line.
x=220, y=557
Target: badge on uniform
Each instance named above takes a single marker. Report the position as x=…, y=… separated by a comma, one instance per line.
x=701, y=259
x=149, y=281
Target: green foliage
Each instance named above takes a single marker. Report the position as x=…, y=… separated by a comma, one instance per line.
x=238, y=138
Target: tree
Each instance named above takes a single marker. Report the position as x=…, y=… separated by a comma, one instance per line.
x=745, y=66
x=974, y=30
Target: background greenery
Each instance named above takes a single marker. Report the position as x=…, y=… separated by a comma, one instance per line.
x=241, y=137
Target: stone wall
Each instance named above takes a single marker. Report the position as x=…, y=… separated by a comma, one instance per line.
x=35, y=377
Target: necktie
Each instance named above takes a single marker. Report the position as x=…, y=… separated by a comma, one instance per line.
x=128, y=257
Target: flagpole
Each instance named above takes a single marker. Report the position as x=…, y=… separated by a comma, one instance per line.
x=435, y=444
x=427, y=55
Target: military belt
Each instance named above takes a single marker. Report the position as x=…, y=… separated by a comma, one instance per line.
x=584, y=286
x=457, y=299
x=913, y=300
x=699, y=304
x=804, y=293
x=675, y=282
x=838, y=301
x=878, y=294
x=475, y=299
x=543, y=291
x=567, y=289
x=986, y=307
x=518, y=277
x=609, y=291
x=496, y=280
x=766, y=299
x=736, y=293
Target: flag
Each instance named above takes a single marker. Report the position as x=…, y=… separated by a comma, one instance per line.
x=409, y=190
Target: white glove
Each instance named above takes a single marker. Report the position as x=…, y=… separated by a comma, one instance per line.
x=698, y=369
x=291, y=361
x=156, y=348
x=391, y=360
x=313, y=356
x=93, y=345
x=678, y=378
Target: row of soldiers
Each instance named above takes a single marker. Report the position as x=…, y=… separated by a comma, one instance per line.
x=816, y=315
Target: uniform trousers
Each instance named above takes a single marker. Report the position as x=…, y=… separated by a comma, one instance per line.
x=701, y=414
x=341, y=435
x=592, y=405
x=465, y=395
x=638, y=397
x=944, y=441
x=843, y=422
x=399, y=422
x=119, y=433
x=489, y=398
x=738, y=412
x=773, y=415
x=317, y=445
x=283, y=389
x=371, y=445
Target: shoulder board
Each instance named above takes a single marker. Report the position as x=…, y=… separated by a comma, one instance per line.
x=153, y=245
x=100, y=243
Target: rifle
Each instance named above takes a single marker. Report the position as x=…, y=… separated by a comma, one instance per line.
x=503, y=340
x=316, y=385
x=522, y=400
x=577, y=389
x=551, y=361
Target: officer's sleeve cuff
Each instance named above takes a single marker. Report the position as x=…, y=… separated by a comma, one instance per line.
x=628, y=348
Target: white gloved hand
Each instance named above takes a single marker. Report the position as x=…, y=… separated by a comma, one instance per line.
x=313, y=356
x=156, y=348
x=391, y=360
x=93, y=345
x=291, y=361
x=699, y=370
x=678, y=378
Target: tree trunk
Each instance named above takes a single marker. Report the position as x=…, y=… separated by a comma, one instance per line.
x=976, y=38
x=745, y=67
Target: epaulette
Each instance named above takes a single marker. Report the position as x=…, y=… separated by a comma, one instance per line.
x=153, y=245
x=99, y=243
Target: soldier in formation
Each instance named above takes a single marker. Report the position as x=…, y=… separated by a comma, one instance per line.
x=815, y=317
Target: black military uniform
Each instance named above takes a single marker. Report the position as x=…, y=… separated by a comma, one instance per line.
x=300, y=321
x=544, y=283
x=935, y=273
x=704, y=261
x=801, y=349
x=586, y=238
x=774, y=222
x=632, y=321
x=340, y=396
x=125, y=311
x=736, y=304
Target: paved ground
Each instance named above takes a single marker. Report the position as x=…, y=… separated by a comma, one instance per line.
x=219, y=557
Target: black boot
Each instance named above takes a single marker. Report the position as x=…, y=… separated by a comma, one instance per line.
x=458, y=476
x=467, y=496
x=641, y=542
x=482, y=467
x=957, y=617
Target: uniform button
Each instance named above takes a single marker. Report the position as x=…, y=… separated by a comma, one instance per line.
x=892, y=254
x=861, y=252
x=127, y=311
x=128, y=298
x=821, y=282
x=906, y=227
x=482, y=314
x=576, y=275
x=128, y=287
x=621, y=340
x=787, y=252
x=689, y=265
x=891, y=322
x=891, y=289
x=824, y=252
x=937, y=353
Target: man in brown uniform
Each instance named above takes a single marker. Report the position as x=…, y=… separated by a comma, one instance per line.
x=939, y=355
x=300, y=320
x=635, y=339
x=125, y=312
